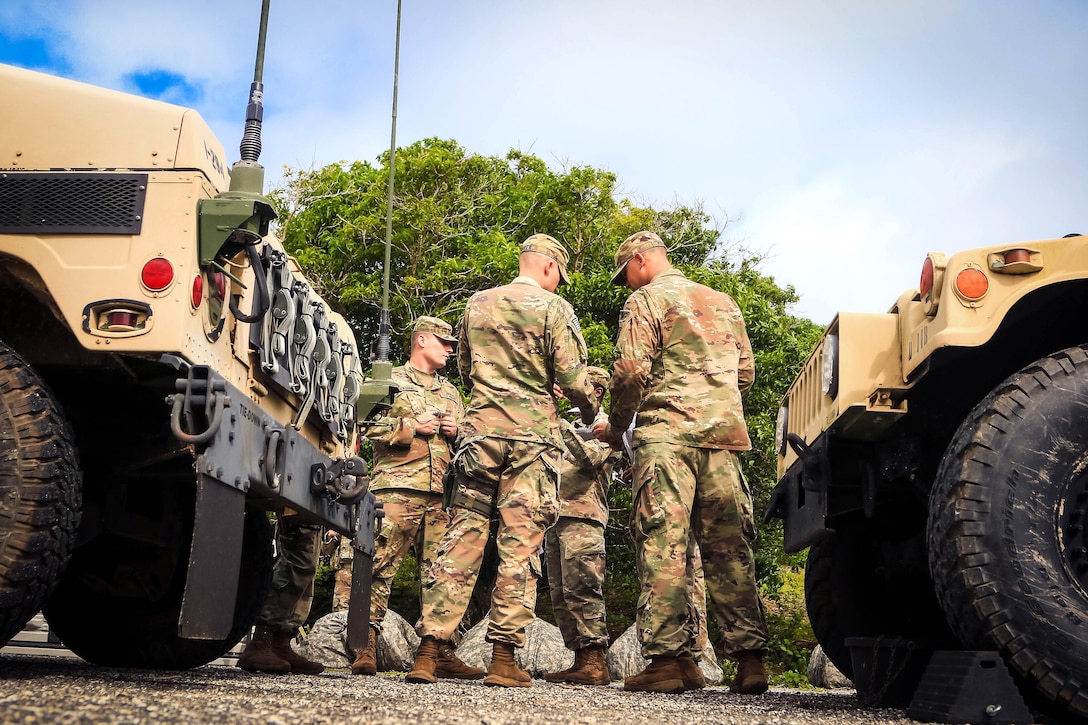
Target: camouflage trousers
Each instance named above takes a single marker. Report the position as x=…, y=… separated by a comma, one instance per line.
x=341, y=563
x=411, y=518
x=527, y=503
x=292, y=589
x=690, y=501
x=576, y=561
x=697, y=630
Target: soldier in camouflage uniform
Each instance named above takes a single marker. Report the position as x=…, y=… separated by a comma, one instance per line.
x=413, y=445
x=517, y=342
x=288, y=602
x=684, y=360
x=575, y=549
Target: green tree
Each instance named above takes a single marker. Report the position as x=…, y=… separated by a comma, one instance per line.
x=458, y=221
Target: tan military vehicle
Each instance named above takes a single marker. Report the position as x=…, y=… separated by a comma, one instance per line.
x=167, y=376
x=935, y=458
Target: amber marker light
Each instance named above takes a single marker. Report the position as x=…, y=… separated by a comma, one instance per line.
x=925, y=284
x=1017, y=255
x=971, y=283
x=157, y=274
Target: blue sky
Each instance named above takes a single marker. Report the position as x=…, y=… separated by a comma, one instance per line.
x=844, y=139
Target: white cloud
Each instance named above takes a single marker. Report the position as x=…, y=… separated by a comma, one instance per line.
x=845, y=237
x=850, y=136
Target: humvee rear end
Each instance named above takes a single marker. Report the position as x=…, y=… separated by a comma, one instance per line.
x=168, y=376
x=935, y=458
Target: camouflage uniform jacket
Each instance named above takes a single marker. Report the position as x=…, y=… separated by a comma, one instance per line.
x=684, y=360
x=585, y=475
x=515, y=342
x=401, y=458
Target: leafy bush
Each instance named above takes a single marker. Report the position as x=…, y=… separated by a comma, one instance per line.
x=792, y=638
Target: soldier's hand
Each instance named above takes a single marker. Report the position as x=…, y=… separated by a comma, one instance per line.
x=448, y=426
x=557, y=391
x=627, y=474
x=426, y=424
x=602, y=431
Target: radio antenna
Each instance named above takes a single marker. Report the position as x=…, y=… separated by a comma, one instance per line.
x=384, y=324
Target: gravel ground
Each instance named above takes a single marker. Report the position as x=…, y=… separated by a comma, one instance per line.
x=48, y=690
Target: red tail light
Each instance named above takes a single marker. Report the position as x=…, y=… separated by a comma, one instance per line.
x=197, y=291
x=157, y=274
x=121, y=320
x=218, y=282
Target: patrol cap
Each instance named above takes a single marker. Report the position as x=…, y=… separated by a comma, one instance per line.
x=438, y=328
x=598, y=376
x=634, y=244
x=549, y=247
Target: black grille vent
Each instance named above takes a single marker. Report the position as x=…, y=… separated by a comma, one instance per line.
x=71, y=203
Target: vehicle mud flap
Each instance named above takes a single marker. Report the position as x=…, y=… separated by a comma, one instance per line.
x=370, y=515
x=207, y=607
x=800, y=498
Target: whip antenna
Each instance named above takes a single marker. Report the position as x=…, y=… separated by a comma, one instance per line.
x=378, y=389
x=383, y=325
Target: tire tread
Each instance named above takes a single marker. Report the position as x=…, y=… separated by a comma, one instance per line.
x=964, y=512
x=41, y=485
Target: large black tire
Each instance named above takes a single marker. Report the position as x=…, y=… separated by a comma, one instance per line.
x=122, y=629
x=869, y=581
x=39, y=492
x=1007, y=537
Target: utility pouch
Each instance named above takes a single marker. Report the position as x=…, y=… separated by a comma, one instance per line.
x=470, y=483
x=475, y=495
x=449, y=485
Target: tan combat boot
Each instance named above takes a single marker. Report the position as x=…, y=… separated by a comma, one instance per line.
x=751, y=678
x=663, y=674
x=589, y=668
x=281, y=645
x=426, y=662
x=260, y=656
x=694, y=679
x=504, y=670
x=451, y=667
x=366, y=659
